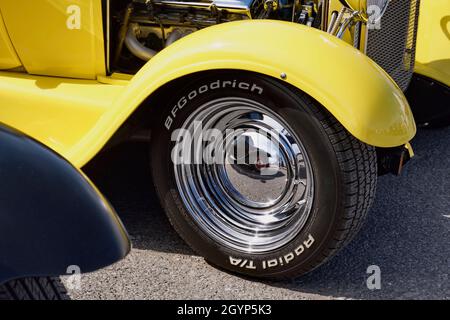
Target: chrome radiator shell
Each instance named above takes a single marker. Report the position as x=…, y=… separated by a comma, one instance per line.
x=392, y=43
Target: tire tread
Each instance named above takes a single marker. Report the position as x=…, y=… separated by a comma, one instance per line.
x=358, y=164
x=45, y=288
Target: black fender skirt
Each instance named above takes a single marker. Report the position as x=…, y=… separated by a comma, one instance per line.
x=51, y=216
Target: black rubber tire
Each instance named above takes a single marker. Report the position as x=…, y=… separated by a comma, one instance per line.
x=34, y=289
x=345, y=174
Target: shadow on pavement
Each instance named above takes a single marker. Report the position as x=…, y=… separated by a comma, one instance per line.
x=122, y=174
x=406, y=234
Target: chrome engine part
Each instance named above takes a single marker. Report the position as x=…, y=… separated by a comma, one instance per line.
x=135, y=47
x=146, y=21
x=388, y=37
x=197, y=14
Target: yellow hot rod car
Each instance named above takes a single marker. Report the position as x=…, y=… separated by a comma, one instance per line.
x=268, y=120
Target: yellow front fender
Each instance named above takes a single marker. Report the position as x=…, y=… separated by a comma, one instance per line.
x=346, y=82
x=77, y=117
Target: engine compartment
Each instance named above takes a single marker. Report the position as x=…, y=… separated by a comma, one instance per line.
x=141, y=28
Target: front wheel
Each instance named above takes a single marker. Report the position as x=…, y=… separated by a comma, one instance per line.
x=257, y=177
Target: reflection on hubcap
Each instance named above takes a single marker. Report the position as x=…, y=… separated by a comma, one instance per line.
x=256, y=195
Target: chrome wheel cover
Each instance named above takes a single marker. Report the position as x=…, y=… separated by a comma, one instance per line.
x=253, y=201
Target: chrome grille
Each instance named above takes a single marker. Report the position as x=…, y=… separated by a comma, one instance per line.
x=393, y=44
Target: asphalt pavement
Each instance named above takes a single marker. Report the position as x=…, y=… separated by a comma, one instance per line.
x=407, y=235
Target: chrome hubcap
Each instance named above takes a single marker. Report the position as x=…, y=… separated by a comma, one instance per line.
x=248, y=182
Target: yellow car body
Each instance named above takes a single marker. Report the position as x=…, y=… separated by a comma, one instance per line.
x=54, y=85
x=433, y=41
x=429, y=90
